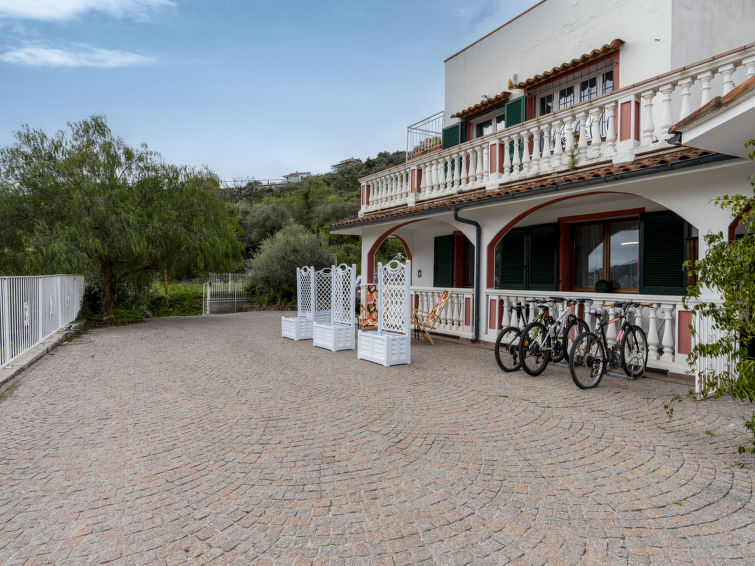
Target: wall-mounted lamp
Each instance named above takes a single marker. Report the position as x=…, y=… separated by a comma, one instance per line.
x=419, y=273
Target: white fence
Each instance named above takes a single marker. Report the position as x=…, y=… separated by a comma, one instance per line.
x=224, y=293
x=32, y=308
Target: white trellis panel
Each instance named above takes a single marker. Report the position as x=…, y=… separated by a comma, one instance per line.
x=391, y=344
x=338, y=334
x=310, y=303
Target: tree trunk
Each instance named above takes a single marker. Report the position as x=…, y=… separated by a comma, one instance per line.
x=108, y=292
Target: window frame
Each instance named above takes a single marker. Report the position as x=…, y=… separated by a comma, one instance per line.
x=606, y=224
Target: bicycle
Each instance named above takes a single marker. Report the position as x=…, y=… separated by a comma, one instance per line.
x=547, y=339
x=507, y=342
x=590, y=355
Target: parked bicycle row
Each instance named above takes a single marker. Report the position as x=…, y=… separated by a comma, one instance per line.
x=568, y=337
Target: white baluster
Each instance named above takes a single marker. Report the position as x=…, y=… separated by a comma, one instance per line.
x=464, y=172
x=457, y=172
x=535, y=157
x=569, y=131
x=582, y=143
x=726, y=75
x=558, y=150
x=653, y=341
x=517, y=156
x=595, y=137
x=485, y=162
x=609, y=147
x=668, y=333
x=706, y=93
x=478, y=165
x=423, y=180
x=611, y=330
x=648, y=127
x=666, y=119
x=506, y=315
x=449, y=172
x=545, y=158
x=749, y=65
x=506, y=173
x=686, y=105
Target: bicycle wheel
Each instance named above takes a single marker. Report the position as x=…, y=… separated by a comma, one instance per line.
x=587, y=360
x=507, y=349
x=634, y=351
x=533, y=349
x=574, y=328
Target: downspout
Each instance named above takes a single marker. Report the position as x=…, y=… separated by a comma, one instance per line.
x=477, y=253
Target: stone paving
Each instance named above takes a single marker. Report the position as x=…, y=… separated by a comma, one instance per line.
x=213, y=440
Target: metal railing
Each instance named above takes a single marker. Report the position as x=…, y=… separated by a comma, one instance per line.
x=424, y=136
x=224, y=293
x=32, y=308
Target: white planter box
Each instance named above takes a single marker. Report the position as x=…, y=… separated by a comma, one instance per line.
x=296, y=328
x=384, y=348
x=322, y=317
x=333, y=337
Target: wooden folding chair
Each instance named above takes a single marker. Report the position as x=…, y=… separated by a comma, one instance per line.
x=426, y=321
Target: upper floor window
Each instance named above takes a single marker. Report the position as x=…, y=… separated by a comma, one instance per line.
x=579, y=86
x=488, y=124
x=484, y=128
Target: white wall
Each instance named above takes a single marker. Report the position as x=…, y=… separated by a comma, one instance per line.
x=558, y=31
x=701, y=28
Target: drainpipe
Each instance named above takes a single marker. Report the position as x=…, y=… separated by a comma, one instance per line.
x=477, y=253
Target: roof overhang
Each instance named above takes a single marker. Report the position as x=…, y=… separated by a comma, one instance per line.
x=488, y=104
x=584, y=59
x=723, y=125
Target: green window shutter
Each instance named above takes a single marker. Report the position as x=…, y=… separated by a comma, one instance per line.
x=452, y=135
x=662, y=252
x=512, y=264
x=543, y=257
x=516, y=111
x=443, y=265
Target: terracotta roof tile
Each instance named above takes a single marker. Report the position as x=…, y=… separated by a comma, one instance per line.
x=573, y=64
x=486, y=104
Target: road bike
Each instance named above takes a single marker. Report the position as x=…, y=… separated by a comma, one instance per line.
x=547, y=339
x=590, y=356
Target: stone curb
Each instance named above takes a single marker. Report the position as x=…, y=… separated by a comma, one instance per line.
x=10, y=372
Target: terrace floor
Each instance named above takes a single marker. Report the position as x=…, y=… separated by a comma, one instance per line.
x=212, y=439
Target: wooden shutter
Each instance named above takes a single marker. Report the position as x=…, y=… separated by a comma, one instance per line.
x=662, y=252
x=452, y=135
x=516, y=111
x=443, y=264
x=543, y=257
x=513, y=260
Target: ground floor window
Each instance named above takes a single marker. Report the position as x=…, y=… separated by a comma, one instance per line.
x=631, y=252
x=608, y=250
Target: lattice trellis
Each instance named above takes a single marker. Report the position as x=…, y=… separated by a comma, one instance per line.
x=305, y=283
x=344, y=278
x=393, y=295
x=323, y=281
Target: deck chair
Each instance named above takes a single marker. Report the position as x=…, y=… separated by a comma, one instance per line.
x=368, y=319
x=426, y=321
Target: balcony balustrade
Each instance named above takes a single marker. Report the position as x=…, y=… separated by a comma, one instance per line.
x=586, y=133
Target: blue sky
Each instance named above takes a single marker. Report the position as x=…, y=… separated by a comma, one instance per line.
x=246, y=88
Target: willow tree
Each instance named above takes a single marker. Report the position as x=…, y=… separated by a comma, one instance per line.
x=85, y=201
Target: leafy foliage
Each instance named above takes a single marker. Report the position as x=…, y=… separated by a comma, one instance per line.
x=87, y=202
x=273, y=267
x=728, y=268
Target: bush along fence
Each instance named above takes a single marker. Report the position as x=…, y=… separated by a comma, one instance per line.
x=32, y=308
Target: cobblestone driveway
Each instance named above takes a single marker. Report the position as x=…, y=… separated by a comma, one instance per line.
x=213, y=439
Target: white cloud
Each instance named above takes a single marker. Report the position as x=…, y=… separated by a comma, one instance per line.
x=77, y=56
x=66, y=9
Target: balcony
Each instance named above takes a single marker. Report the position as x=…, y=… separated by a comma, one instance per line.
x=611, y=128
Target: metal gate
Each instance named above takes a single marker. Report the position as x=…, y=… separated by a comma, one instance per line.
x=225, y=293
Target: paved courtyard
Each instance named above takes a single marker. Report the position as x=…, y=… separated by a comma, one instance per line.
x=213, y=440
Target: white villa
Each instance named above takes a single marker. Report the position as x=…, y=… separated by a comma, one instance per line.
x=581, y=141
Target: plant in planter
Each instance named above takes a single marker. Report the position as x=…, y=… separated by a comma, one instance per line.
x=603, y=286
